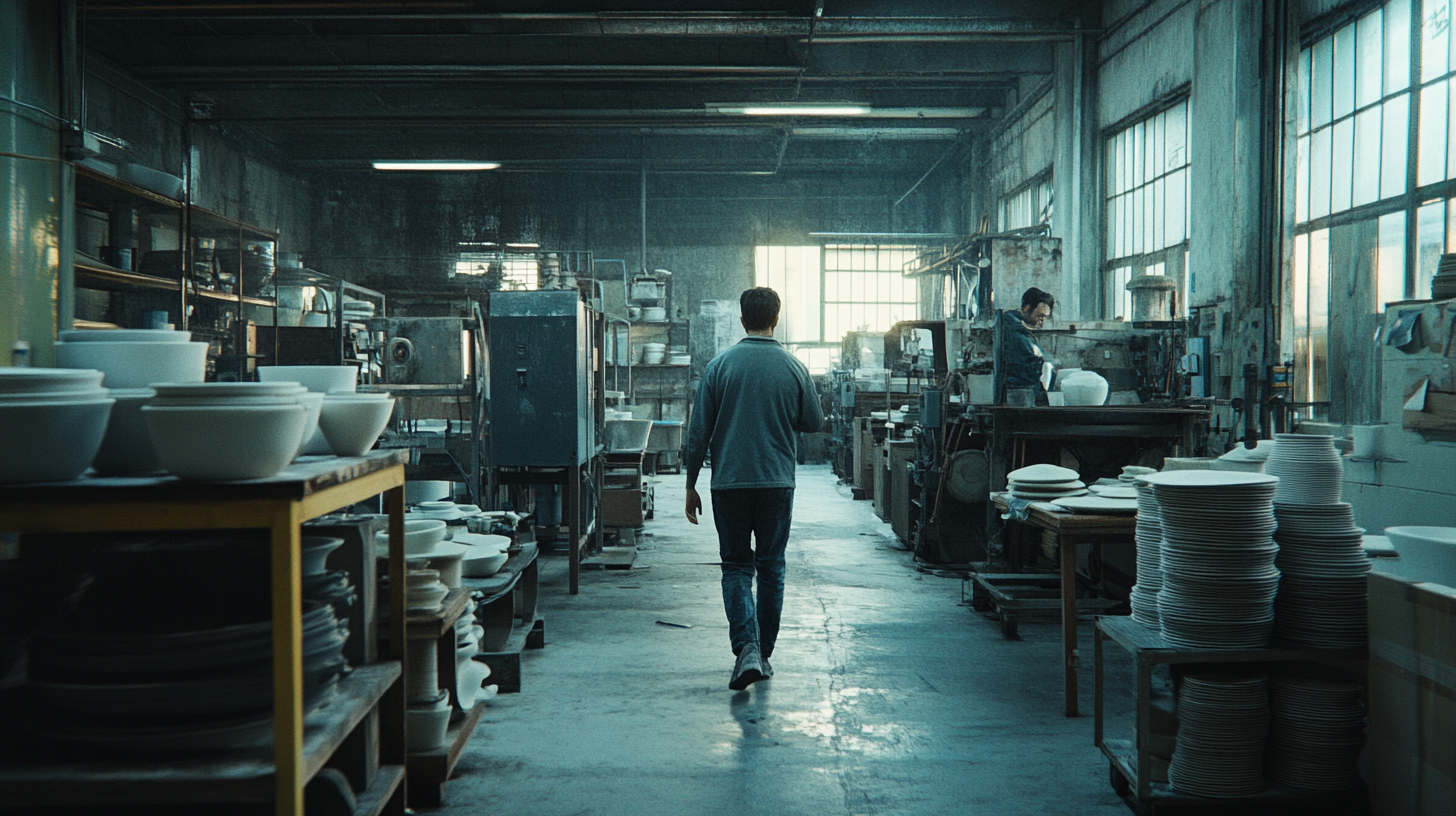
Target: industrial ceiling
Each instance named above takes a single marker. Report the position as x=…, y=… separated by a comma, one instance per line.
x=581, y=87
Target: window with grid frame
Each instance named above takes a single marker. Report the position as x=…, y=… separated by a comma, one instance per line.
x=1145, y=212
x=1029, y=206
x=520, y=272
x=1362, y=92
x=828, y=291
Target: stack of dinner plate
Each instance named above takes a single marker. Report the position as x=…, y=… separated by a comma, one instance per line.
x=1322, y=597
x=1045, y=483
x=1217, y=558
x=1308, y=467
x=1149, y=540
x=1223, y=720
x=1316, y=732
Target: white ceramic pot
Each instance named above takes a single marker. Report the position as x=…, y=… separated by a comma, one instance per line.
x=1426, y=553
x=420, y=536
x=353, y=425
x=424, y=670
x=470, y=677
x=218, y=443
x=427, y=726
x=125, y=336
x=418, y=491
x=654, y=314
x=50, y=441
x=127, y=447
x=1085, y=388
x=482, y=563
x=137, y=365
x=323, y=379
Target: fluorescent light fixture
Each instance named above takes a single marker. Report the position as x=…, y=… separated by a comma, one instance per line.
x=524, y=246
x=435, y=165
x=788, y=110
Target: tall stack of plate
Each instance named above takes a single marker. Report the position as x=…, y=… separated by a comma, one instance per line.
x=1223, y=720
x=1217, y=558
x=1308, y=467
x=1322, y=597
x=1316, y=732
x=1149, y=539
x=1045, y=483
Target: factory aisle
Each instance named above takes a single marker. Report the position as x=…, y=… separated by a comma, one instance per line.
x=889, y=697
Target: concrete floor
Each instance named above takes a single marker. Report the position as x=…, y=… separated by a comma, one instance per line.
x=889, y=697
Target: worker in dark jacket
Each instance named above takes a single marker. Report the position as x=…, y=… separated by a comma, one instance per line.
x=751, y=401
x=1019, y=360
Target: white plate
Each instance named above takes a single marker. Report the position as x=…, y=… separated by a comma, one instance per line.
x=1097, y=505
x=1042, y=474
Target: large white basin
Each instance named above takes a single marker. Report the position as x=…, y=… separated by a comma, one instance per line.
x=1426, y=553
x=137, y=365
x=324, y=379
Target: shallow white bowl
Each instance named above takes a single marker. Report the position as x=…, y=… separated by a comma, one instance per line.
x=127, y=447
x=137, y=365
x=34, y=380
x=125, y=336
x=352, y=426
x=482, y=563
x=219, y=443
x=1426, y=553
x=420, y=535
x=323, y=379
x=86, y=395
x=50, y=441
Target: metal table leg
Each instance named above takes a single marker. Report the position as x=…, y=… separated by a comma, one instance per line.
x=1068, y=551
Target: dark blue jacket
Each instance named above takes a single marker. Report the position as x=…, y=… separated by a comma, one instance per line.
x=1020, y=362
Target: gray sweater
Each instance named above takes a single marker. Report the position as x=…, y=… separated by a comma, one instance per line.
x=751, y=400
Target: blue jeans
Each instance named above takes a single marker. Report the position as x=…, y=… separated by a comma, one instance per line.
x=762, y=515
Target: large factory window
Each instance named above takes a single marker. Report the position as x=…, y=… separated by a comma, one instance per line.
x=832, y=290
x=510, y=271
x=1029, y=206
x=1146, y=212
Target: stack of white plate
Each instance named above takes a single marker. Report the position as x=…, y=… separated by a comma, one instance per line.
x=1045, y=483
x=1222, y=722
x=1322, y=597
x=52, y=421
x=1308, y=467
x=1217, y=558
x=653, y=353
x=1316, y=732
x=1149, y=540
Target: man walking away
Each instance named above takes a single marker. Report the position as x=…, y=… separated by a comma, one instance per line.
x=751, y=400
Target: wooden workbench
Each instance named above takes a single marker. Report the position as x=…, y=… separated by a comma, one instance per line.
x=1071, y=531
x=310, y=488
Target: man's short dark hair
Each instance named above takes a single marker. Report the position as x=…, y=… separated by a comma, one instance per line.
x=760, y=308
x=1035, y=296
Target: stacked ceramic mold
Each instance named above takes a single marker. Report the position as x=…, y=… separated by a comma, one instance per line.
x=1217, y=558
x=1317, y=731
x=1223, y=721
x=1322, y=600
x=1045, y=483
x=1149, y=540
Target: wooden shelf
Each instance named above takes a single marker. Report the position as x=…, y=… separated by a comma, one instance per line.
x=189, y=780
x=373, y=801
x=106, y=189
x=204, y=214
x=97, y=275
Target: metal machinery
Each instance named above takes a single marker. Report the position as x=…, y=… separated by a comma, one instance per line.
x=436, y=368
x=543, y=367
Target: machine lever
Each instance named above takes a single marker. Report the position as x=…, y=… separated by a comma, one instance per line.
x=521, y=377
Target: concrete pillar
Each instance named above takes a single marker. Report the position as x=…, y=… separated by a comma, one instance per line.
x=34, y=184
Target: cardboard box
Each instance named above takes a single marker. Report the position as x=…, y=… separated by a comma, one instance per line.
x=622, y=508
x=1412, y=748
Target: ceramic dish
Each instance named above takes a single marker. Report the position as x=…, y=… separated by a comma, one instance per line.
x=50, y=441
x=33, y=380
x=125, y=336
x=352, y=426
x=137, y=365
x=223, y=443
x=322, y=379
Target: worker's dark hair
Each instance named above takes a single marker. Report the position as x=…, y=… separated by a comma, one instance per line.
x=760, y=308
x=1035, y=296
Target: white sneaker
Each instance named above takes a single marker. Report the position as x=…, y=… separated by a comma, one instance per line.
x=748, y=670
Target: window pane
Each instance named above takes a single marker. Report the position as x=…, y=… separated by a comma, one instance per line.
x=1451, y=134
x=1137, y=222
x=1390, y=260
x=1343, y=86
x=1431, y=149
x=1367, y=60
x=1367, y=146
x=1397, y=46
x=1430, y=243
x=1435, y=39
x=1300, y=304
x=1342, y=160
x=1319, y=314
x=1301, y=105
x=1160, y=222
x=1173, y=215
x=1301, y=180
x=1393, y=140
x=1321, y=73
x=1319, y=173
x=1177, y=130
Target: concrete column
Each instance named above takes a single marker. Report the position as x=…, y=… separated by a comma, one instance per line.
x=33, y=181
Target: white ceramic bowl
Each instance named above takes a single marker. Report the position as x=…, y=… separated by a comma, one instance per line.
x=86, y=395
x=50, y=441
x=137, y=365
x=125, y=336
x=312, y=404
x=353, y=425
x=220, y=443
x=427, y=726
x=420, y=535
x=34, y=380
x=127, y=448
x=482, y=563
x=323, y=379
x=496, y=543
x=188, y=402
x=1426, y=553
x=226, y=390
